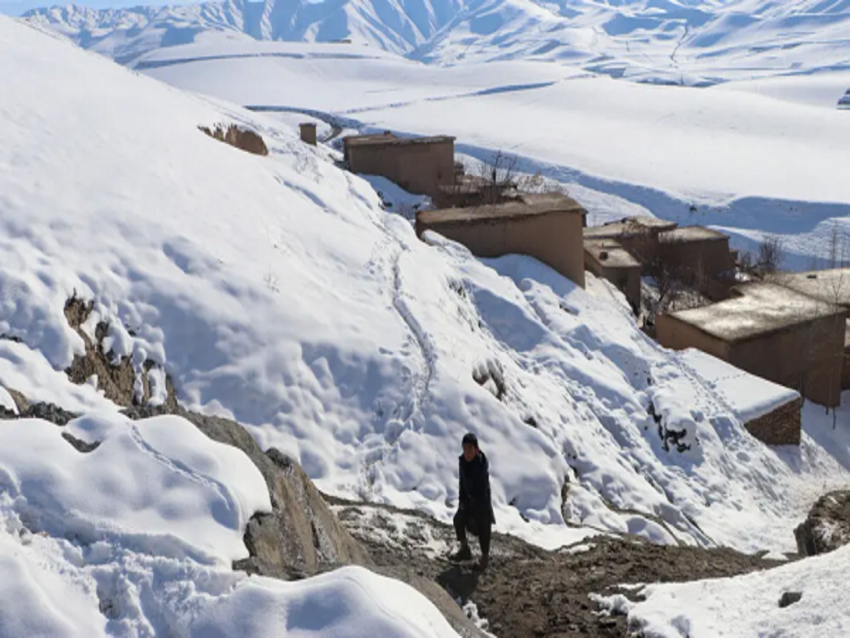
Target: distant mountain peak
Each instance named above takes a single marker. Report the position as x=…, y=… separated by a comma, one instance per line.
x=599, y=33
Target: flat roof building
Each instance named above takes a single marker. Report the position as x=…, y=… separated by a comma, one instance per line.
x=545, y=226
x=696, y=253
x=607, y=259
x=771, y=331
x=419, y=165
x=830, y=286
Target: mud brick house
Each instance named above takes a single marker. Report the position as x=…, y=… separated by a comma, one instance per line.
x=547, y=227
x=771, y=331
x=695, y=252
x=829, y=287
x=419, y=165
x=608, y=260
x=638, y=235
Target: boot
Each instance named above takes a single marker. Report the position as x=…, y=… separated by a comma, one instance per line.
x=482, y=564
x=464, y=553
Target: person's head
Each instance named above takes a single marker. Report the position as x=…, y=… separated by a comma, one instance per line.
x=470, y=446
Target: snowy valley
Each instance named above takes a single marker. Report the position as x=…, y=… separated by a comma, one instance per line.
x=159, y=289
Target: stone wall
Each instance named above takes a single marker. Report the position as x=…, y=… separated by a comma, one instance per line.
x=780, y=427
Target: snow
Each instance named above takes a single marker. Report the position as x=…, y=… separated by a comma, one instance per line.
x=762, y=154
x=166, y=482
x=278, y=291
x=7, y=402
x=749, y=397
x=700, y=44
x=746, y=605
x=60, y=587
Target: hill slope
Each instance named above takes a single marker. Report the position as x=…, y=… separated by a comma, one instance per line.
x=277, y=290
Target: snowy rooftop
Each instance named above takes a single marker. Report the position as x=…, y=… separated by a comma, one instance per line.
x=761, y=309
x=615, y=256
x=630, y=226
x=831, y=286
x=691, y=233
x=526, y=206
x=749, y=396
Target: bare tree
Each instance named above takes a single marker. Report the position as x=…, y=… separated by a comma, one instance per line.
x=771, y=254
x=834, y=245
x=836, y=290
x=498, y=176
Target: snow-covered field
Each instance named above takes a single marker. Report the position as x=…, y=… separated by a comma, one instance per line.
x=751, y=157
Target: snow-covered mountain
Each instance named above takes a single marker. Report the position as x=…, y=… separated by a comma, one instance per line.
x=681, y=37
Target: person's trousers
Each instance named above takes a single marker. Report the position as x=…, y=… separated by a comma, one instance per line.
x=480, y=526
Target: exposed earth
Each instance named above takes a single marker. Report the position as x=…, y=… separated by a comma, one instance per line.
x=527, y=591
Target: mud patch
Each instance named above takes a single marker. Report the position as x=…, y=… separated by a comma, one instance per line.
x=527, y=591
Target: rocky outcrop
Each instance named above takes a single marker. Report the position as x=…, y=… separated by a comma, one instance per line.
x=240, y=138
x=827, y=527
x=119, y=380
x=301, y=536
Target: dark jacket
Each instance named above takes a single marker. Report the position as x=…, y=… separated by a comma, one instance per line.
x=474, y=487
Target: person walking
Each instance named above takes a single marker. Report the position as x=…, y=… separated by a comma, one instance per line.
x=475, y=509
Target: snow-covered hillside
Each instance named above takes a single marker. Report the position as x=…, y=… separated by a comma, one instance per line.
x=756, y=156
x=277, y=290
x=690, y=41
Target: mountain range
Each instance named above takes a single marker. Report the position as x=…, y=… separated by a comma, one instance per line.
x=708, y=38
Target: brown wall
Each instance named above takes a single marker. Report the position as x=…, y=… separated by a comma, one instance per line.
x=417, y=167
x=710, y=257
x=554, y=238
x=678, y=335
x=807, y=358
x=308, y=134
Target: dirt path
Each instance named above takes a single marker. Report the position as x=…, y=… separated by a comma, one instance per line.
x=528, y=591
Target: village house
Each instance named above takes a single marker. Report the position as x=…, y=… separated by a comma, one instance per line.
x=830, y=287
x=695, y=252
x=638, y=235
x=608, y=260
x=695, y=255
x=419, y=165
x=545, y=226
x=771, y=331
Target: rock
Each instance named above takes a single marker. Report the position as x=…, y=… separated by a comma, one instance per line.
x=48, y=412
x=79, y=444
x=827, y=526
x=19, y=399
x=789, y=598
x=243, y=139
x=116, y=378
x=301, y=536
